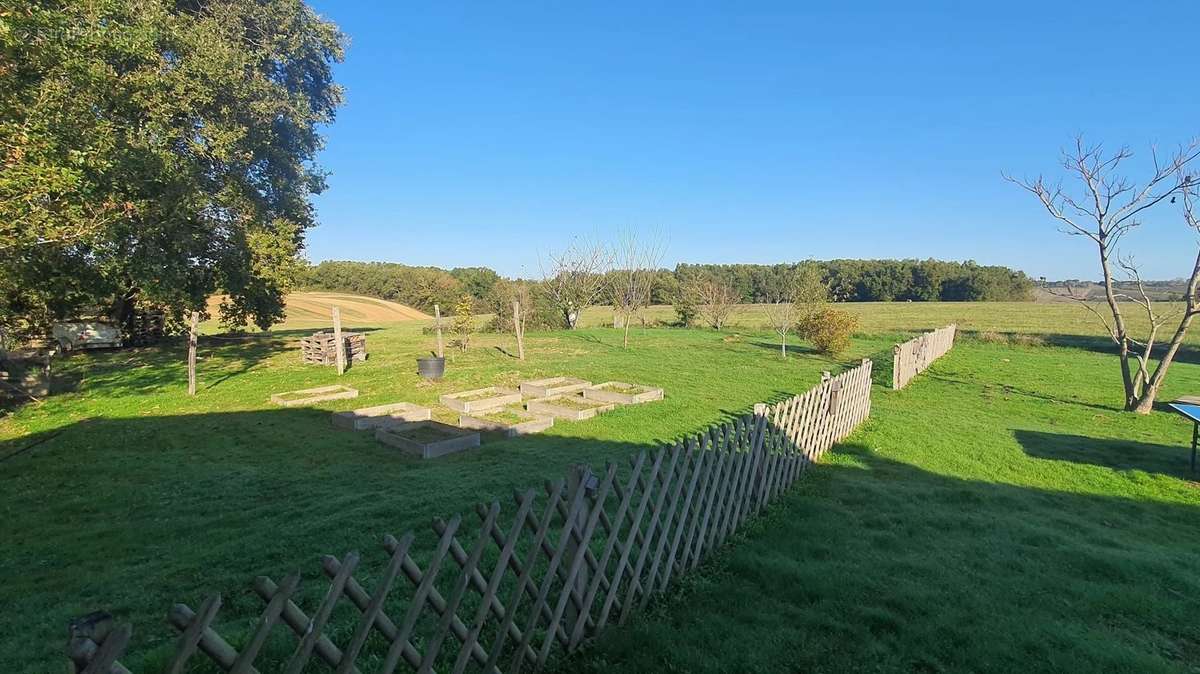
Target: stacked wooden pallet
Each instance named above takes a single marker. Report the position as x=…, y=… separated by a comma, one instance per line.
x=321, y=347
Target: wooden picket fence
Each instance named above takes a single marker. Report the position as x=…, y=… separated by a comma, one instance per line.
x=589, y=552
x=916, y=355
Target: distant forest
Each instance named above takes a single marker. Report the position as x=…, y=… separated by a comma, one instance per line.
x=847, y=280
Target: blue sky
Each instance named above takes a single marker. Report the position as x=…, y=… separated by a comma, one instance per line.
x=485, y=134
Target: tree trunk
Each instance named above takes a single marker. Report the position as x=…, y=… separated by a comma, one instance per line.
x=1144, y=404
x=122, y=309
x=783, y=345
x=191, y=362
x=626, y=343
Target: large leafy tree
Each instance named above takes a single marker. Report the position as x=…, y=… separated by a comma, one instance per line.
x=158, y=151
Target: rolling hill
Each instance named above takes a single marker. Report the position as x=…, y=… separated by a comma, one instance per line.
x=313, y=309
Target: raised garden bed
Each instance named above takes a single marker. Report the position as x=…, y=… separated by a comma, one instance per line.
x=553, y=386
x=622, y=393
x=427, y=439
x=511, y=421
x=570, y=407
x=380, y=416
x=469, y=402
x=314, y=395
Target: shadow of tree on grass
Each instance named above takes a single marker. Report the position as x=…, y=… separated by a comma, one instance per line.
x=1116, y=454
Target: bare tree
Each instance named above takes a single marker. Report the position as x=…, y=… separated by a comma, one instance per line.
x=574, y=278
x=636, y=261
x=781, y=314
x=715, y=300
x=522, y=301
x=1105, y=207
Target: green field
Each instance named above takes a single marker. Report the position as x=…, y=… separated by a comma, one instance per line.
x=999, y=514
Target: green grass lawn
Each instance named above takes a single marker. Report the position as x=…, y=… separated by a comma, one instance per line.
x=998, y=514
x=128, y=496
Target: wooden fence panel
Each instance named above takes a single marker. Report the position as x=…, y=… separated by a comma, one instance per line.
x=916, y=355
x=556, y=574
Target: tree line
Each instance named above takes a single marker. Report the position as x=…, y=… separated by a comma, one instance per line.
x=846, y=280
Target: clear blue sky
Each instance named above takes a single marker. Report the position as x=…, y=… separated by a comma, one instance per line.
x=482, y=134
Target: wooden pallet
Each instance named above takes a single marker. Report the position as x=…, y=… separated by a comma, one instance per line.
x=320, y=348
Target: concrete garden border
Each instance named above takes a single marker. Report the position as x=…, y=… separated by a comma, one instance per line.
x=603, y=392
x=532, y=423
x=551, y=406
x=401, y=437
x=479, y=400
x=314, y=395
x=366, y=418
x=553, y=386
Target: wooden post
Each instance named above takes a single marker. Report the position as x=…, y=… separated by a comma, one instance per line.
x=519, y=329
x=437, y=318
x=192, y=353
x=339, y=346
x=896, y=367
x=579, y=477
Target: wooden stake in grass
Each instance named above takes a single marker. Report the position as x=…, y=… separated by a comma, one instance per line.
x=437, y=321
x=339, y=345
x=519, y=328
x=195, y=319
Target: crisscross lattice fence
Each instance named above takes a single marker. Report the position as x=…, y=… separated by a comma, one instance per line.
x=587, y=553
x=916, y=355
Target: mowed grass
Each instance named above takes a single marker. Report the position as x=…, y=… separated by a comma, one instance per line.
x=999, y=514
x=128, y=496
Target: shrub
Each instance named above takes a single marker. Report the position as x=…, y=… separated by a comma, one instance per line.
x=1029, y=340
x=685, y=310
x=464, y=321
x=828, y=329
x=992, y=337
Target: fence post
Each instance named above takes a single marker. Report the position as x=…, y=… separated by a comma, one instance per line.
x=896, y=367
x=437, y=321
x=339, y=346
x=580, y=476
x=761, y=421
x=520, y=332
x=93, y=641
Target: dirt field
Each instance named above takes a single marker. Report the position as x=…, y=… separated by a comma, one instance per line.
x=309, y=309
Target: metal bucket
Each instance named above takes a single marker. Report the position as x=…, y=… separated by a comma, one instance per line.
x=431, y=367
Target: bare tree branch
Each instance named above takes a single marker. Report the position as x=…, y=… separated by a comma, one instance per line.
x=1106, y=208
x=636, y=261
x=574, y=278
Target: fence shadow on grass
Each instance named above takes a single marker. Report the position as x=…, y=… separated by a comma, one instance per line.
x=872, y=564
x=1119, y=455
